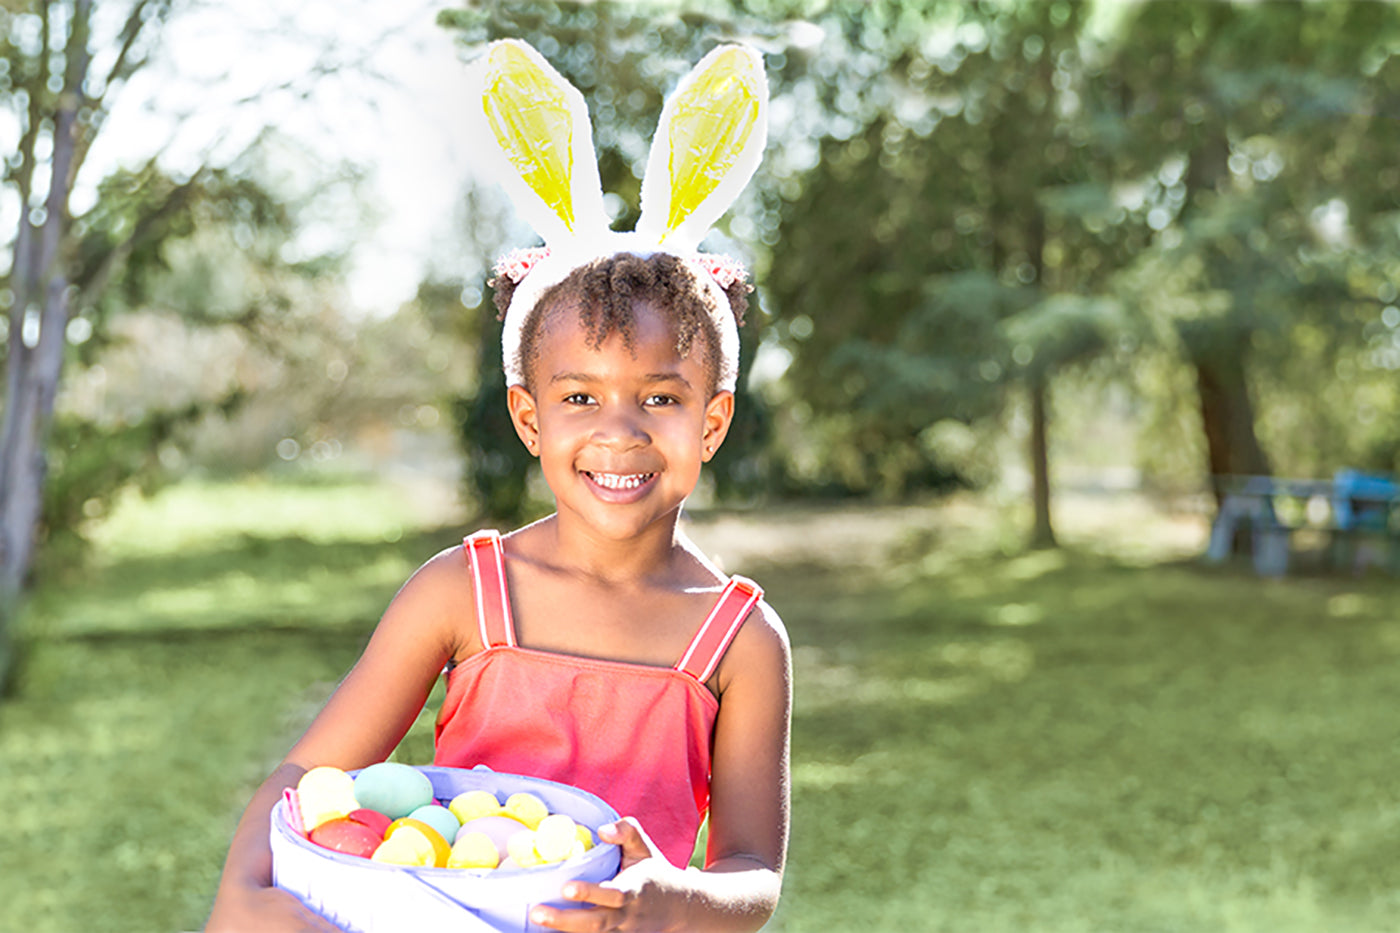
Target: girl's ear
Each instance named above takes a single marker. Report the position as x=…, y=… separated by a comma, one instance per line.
x=525, y=415
x=719, y=415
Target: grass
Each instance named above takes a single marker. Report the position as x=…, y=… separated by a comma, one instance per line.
x=1107, y=737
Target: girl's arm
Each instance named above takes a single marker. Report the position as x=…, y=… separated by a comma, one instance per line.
x=738, y=889
x=361, y=724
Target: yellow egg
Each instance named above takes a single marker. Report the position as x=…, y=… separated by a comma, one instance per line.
x=556, y=837
x=405, y=849
x=585, y=836
x=473, y=850
x=415, y=829
x=527, y=808
x=521, y=847
x=474, y=804
x=325, y=794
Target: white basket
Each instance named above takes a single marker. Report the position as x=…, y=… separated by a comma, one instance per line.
x=364, y=896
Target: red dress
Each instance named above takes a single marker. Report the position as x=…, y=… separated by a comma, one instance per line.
x=638, y=736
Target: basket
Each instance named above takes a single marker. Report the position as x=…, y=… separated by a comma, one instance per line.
x=363, y=896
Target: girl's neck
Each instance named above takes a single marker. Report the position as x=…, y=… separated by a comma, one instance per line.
x=579, y=549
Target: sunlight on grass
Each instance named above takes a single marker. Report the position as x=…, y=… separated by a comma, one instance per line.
x=201, y=515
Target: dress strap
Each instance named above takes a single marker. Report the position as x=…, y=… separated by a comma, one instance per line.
x=718, y=630
x=487, y=558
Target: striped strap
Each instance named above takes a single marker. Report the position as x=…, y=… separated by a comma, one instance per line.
x=712, y=640
x=488, y=562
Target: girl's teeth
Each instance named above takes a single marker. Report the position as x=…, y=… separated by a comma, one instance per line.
x=620, y=480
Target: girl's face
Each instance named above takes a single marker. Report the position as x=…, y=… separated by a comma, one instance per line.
x=620, y=432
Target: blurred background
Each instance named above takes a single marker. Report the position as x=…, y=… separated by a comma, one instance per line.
x=1037, y=285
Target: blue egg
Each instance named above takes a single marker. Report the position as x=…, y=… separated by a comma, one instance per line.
x=393, y=789
x=439, y=818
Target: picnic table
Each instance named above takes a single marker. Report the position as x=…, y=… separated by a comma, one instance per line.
x=1358, y=513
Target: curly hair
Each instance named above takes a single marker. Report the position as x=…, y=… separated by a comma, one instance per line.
x=606, y=290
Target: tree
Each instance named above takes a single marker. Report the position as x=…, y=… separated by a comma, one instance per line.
x=59, y=102
x=1246, y=128
x=956, y=145
x=63, y=64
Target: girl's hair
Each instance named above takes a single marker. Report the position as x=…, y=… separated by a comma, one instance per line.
x=605, y=291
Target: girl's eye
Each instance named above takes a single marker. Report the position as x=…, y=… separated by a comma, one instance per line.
x=578, y=398
x=661, y=400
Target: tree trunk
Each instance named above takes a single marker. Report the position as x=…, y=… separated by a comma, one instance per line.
x=1227, y=416
x=35, y=365
x=1042, y=532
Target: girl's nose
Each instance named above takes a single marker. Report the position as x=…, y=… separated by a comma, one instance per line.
x=621, y=429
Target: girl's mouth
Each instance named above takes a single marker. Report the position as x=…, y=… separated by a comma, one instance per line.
x=620, y=482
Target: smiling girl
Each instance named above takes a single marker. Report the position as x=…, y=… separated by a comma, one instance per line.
x=596, y=647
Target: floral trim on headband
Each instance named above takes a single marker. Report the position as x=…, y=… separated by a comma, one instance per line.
x=517, y=264
x=725, y=270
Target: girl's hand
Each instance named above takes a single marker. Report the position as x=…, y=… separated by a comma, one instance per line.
x=644, y=896
x=265, y=909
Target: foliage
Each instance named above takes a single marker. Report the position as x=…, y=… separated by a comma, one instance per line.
x=1263, y=166
x=954, y=136
x=215, y=255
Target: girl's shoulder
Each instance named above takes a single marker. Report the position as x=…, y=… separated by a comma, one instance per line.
x=437, y=600
x=760, y=652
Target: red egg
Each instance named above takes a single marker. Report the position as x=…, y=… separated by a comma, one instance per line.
x=371, y=818
x=347, y=836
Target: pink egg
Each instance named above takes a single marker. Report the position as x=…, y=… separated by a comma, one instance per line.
x=371, y=818
x=499, y=828
x=347, y=836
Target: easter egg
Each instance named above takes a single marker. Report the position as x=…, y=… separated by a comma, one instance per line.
x=527, y=808
x=585, y=836
x=345, y=835
x=408, y=826
x=393, y=789
x=323, y=794
x=472, y=804
x=372, y=819
x=439, y=818
x=498, y=829
x=556, y=837
x=408, y=849
x=521, y=849
x=473, y=850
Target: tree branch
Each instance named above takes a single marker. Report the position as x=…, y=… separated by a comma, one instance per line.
x=91, y=281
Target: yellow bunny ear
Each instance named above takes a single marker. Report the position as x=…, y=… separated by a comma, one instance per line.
x=530, y=129
x=707, y=146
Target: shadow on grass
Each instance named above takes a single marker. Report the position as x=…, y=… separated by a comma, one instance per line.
x=245, y=581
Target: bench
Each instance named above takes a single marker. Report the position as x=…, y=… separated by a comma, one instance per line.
x=1358, y=513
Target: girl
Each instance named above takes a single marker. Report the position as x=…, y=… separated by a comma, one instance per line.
x=597, y=646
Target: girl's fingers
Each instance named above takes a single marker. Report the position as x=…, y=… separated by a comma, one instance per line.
x=573, y=921
x=629, y=836
x=597, y=894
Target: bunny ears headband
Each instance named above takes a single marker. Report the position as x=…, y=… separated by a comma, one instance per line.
x=535, y=137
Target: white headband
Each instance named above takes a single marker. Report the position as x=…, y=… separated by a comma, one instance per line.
x=537, y=141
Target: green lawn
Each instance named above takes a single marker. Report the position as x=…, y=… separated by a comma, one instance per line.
x=1103, y=738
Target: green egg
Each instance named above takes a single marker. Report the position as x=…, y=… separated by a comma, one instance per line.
x=393, y=789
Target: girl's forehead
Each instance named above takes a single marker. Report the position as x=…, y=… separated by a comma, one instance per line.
x=575, y=325
x=647, y=348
